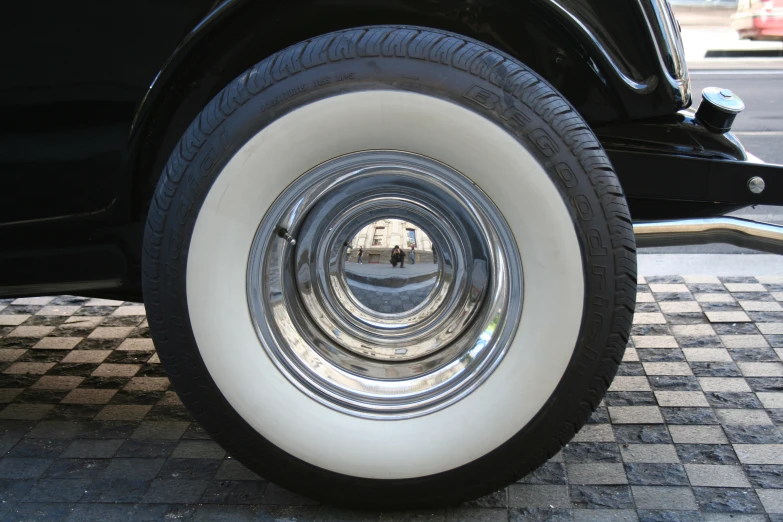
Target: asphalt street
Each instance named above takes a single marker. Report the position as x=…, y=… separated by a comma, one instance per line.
x=759, y=127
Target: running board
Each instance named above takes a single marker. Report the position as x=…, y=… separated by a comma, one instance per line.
x=734, y=231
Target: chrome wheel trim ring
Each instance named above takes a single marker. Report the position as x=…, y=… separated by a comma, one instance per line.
x=346, y=356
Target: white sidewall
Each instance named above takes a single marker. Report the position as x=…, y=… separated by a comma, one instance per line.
x=485, y=153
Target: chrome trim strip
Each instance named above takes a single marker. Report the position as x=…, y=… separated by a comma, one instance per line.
x=745, y=233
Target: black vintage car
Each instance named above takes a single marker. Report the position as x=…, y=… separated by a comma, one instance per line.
x=212, y=158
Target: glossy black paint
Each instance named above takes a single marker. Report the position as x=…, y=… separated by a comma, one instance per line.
x=711, y=186
x=95, y=95
x=680, y=133
x=588, y=69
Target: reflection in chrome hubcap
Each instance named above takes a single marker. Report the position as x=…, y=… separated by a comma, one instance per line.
x=370, y=339
x=385, y=287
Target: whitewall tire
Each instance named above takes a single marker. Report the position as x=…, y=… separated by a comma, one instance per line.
x=474, y=386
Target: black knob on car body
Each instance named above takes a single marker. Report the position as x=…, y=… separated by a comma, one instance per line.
x=718, y=109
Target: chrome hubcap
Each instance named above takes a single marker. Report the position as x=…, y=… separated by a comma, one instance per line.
x=369, y=339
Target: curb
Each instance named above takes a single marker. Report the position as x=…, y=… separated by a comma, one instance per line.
x=744, y=53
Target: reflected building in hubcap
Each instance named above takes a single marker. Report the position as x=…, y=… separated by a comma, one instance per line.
x=379, y=238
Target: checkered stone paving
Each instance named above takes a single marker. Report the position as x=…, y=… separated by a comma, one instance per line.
x=691, y=429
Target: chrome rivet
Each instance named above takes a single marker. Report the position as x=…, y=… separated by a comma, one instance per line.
x=726, y=93
x=756, y=185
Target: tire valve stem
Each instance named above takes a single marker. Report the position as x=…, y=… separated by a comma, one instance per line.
x=283, y=233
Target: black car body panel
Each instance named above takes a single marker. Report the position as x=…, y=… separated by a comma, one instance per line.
x=96, y=94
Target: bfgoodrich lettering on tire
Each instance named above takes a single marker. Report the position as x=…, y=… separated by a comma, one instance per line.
x=259, y=319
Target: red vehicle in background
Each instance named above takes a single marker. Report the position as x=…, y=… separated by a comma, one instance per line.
x=759, y=19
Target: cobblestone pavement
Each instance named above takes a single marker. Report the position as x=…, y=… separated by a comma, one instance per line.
x=392, y=301
x=390, y=290
x=690, y=429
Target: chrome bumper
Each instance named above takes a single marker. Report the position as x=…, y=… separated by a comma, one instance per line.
x=735, y=231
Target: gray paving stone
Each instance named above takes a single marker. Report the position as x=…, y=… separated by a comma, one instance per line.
x=642, y=434
x=630, y=399
x=133, y=468
x=493, y=500
x=716, y=476
x=537, y=515
x=55, y=430
x=601, y=497
x=233, y=470
x=475, y=515
x=13, y=490
x=239, y=492
x=674, y=383
x=663, y=497
x=635, y=414
x=715, y=369
x=538, y=496
x=681, y=398
x=724, y=384
x=198, y=449
x=57, y=490
x=146, y=448
x=100, y=513
x=28, y=468
x=274, y=494
x=771, y=499
x=765, y=476
x=160, y=430
x=697, y=434
x=39, y=448
x=707, y=454
x=190, y=469
x=600, y=515
x=163, y=511
x=766, y=384
x=648, y=515
x=648, y=474
x=728, y=500
x=116, y=490
x=40, y=511
x=653, y=453
x=595, y=433
x=92, y=449
x=599, y=416
x=734, y=517
x=755, y=417
x=553, y=473
x=76, y=468
x=733, y=400
x=689, y=416
x=759, y=453
x=753, y=434
x=226, y=513
x=591, y=452
x=597, y=473
x=175, y=491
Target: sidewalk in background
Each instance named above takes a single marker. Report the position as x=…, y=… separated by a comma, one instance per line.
x=699, y=40
x=708, y=30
